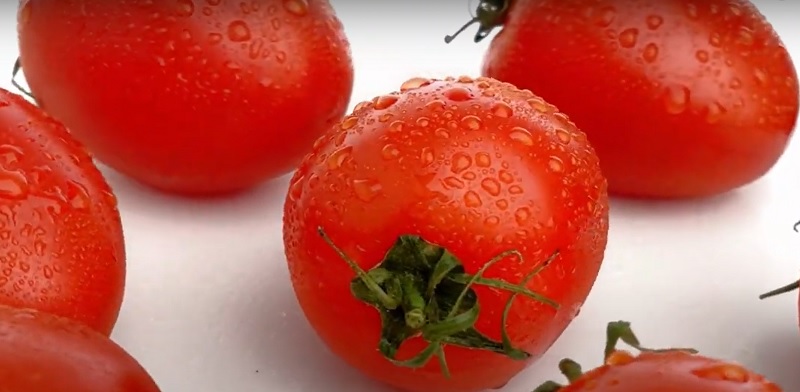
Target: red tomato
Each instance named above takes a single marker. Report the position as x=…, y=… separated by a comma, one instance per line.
x=61, y=244
x=40, y=352
x=674, y=370
x=680, y=98
x=192, y=97
x=418, y=192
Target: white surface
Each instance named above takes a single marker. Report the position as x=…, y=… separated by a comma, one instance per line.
x=209, y=305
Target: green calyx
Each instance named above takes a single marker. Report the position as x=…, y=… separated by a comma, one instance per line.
x=488, y=15
x=422, y=290
x=616, y=331
x=781, y=290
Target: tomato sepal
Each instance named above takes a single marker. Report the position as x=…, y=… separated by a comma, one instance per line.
x=781, y=290
x=422, y=289
x=616, y=331
x=14, y=72
x=488, y=15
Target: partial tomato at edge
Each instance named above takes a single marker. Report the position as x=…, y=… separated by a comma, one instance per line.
x=61, y=243
x=187, y=96
x=680, y=98
x=417, y=193
x=40, y=352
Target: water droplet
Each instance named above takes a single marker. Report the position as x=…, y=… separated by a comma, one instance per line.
x=426, y=156
x=501, y=204
x=760, y=75
x=539, y=105
x=442, y=133
x=701, y=56
x=296, y=188
x=238, y=31
x=296, y=7
x=735, y=84
x=746, y=36
x=723, y=372
x=654, y=21
x=605, y=17
x=714, y=113
x=48, y=272
x=715, y=40
x=483, y=159
x=650, y=53
x=521, y=135
x=473, y=123
x=337, y=159
x=505, y=176
x=563, y=135
x=472, y=199
x=458, y=94
x=390, y=151
x=414, y=83
x=522, y=215
x=628, y=37
x=280, y=56
x=555, y=164
x=385, y=102
x=185, y=7
x=214, y=38
x=491, y=221
x=367, y=190
x=676, y=99
x=13, y=185
x=502, y=110
x=453, y=183
x=349, y=122
x=78, y=196
x=423, y=122
x=460, y=162
x=515, y=190
x=491, y=186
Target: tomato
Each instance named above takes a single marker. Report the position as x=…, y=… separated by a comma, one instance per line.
x=413, y=225
x=680, y=98
x=187, y=96
x=61, y=244
x=671, y=370
x=41, y=352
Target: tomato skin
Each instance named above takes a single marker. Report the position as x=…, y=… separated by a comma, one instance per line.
x=40, y=352
x=62, y=249
x=670, y=372
x=186, y=96
x=680, y=98
x=477, y=167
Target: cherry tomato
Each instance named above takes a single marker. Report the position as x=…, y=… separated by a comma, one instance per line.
x=61, y=244
x=40, y=352
x=680, y=98
x=673, y=370
x=443, y=236
x=189, y=96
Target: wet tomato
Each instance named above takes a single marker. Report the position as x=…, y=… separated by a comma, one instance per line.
x=680, y=98
x=61, y=244
x=40, y=352
x=443, y=236
x=188, y=96
x=671, y=370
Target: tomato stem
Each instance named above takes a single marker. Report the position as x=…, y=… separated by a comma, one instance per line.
x=14, y=72
x=489, y=14
x=421, y=290
x=781, y=290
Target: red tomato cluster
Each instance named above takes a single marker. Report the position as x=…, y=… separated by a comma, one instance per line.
x=440, y=237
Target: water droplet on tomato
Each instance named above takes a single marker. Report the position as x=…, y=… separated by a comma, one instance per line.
x=746, y=36
x=676, y=99
x=735, y=84
x=472, y=199
x=296, y=7
x=502, y=110
x=628, y=37
x=426, y=156
x=715, y=40
x=390, y=151
x=605, y=16
x=483, y=159
x=48, y=272
x=521, y=135
x=255, y=49
x=505, y=176
x=473, y=123
x=296, y=188
x=78, y=196
x=385, y=102
x=522, y=215
x=348, y=123
x=723, y=372
x=414, y=83
x=491, y=186
x=760, y=76
x=458, y=94
x=702, y=56
x=280, y=56
x=453, y=183
x=555, y=164
x=367, y=190
x=515, y=190
x=238, y=31
x=423, y=122
x=715, y=112
x=563, y=135
x=442, y=133
x=460, y=162
x=654, y=21
x=185, y=7
x=214, y=38
x=491, y=221
x=539, y=105
x=13, y=185
x=337, y=159
x=501, y=204
x=650, y=53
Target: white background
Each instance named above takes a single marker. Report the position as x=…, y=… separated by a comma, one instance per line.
x=209, y=306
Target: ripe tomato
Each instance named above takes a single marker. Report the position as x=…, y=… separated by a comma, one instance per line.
x=40, y=352
x=189, y=96
x=413, y=225
x=61, y=244
x=680, y=98
x=673, y=370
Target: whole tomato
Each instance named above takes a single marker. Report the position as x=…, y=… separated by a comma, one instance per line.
x=670, y=370
x=680, y=98
x=443, y=236
x=61, y=244
x=40, y=352
x=189, y=96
